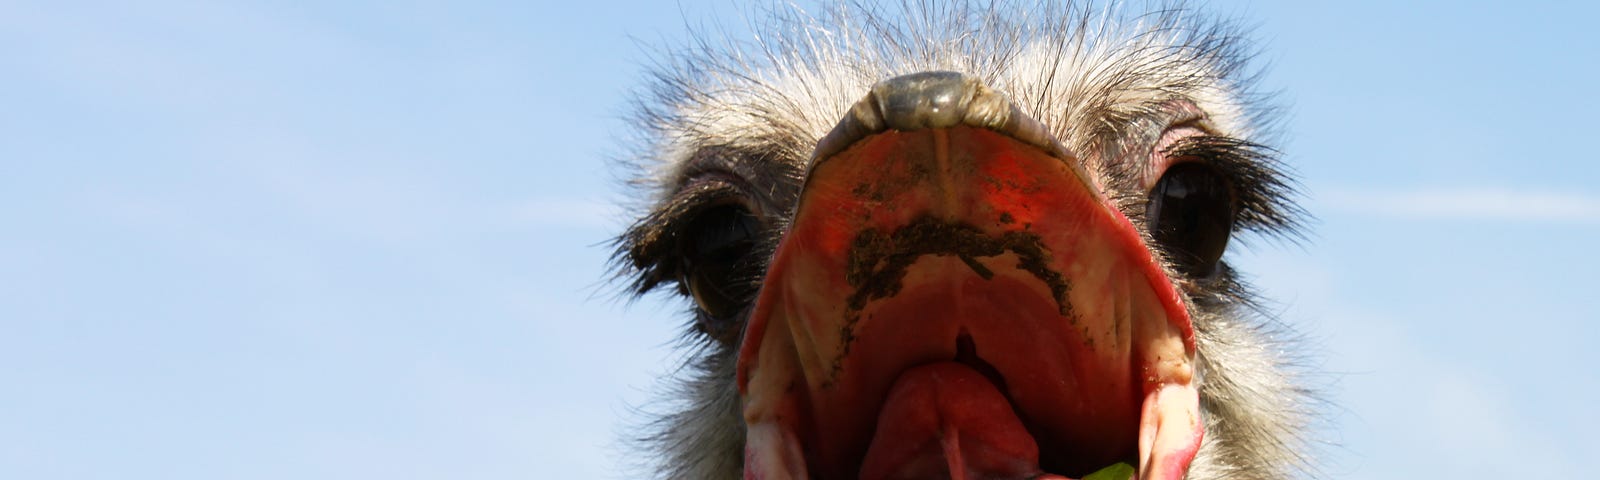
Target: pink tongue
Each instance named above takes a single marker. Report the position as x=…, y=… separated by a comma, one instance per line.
x=946, y=417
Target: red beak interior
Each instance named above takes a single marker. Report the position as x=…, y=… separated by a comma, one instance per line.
x=956, y=303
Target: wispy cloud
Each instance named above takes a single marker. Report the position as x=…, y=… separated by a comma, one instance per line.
x=568, y=212
x=1469, y=203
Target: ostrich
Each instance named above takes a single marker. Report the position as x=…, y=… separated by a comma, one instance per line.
x=979, y=240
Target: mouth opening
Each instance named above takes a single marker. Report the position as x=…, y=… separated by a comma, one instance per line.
x=960, y=375
x=957, y=301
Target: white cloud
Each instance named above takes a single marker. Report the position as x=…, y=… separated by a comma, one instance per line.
x=1486, y=203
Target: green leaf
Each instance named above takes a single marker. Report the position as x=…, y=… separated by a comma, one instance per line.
x=1117, y=471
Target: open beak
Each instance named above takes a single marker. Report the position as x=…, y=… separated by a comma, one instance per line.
x=955, y=298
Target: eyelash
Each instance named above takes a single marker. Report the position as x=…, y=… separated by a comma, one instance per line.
x=650, y=246
x=1261, y=191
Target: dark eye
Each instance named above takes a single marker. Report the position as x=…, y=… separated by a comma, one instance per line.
x=717, y=270
x=1191, y=213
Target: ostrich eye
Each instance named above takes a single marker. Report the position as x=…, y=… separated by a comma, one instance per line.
x=715, y=248
x=1191, y=213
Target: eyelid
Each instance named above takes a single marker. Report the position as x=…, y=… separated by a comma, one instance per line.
x=1161, y=159
x=717, y=186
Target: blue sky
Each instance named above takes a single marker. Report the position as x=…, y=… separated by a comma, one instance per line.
x=360, y=239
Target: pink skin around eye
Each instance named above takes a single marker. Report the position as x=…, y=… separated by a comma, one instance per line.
x=1159, y=161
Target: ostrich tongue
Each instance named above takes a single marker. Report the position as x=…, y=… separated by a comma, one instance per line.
x=946, y=420
x=946, y=417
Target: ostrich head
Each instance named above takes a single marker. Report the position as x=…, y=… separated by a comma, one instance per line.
x=969, y=241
